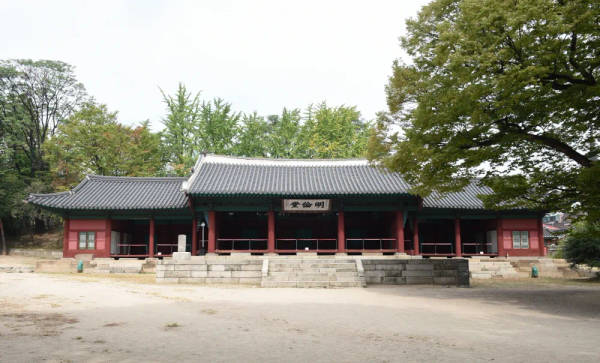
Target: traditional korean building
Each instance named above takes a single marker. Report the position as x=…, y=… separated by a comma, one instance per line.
x=273, y=206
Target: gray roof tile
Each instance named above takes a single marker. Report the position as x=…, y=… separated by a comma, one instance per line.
x=219, y=175
x=216, y=175
x=117, y=193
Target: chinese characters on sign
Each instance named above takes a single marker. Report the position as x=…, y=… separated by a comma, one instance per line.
x=306, y=205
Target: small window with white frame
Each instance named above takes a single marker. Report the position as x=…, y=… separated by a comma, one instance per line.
x=520, y=239
x=87, y=240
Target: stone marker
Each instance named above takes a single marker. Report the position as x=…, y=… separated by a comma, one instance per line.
x=181, y=254
x=181, y=243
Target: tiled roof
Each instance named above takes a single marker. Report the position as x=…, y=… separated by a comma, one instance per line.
x=225, y=176
x=220, y=175
x=117, y=193
x=465, y=199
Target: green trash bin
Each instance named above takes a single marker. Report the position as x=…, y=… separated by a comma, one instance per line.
x=80, y=266
x=534, y=271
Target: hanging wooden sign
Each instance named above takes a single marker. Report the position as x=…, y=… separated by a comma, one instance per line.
x=306, y=205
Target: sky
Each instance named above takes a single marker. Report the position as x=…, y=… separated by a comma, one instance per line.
x=258, y=55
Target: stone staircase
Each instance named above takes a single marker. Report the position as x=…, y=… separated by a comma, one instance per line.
x=487, y=268
x=313, y=272
x=492, y=268
x=547, y=267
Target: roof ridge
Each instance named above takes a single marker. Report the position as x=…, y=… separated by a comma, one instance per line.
x=258, y=158
x=136, y=178
x=241, y=160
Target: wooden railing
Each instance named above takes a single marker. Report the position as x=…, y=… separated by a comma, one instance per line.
x=241, y=244
x=371, y=244
x=436, y=248
x=302, y=244
x=132, y=249
x=477, y=248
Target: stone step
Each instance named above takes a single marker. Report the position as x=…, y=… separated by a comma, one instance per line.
x=312, y=270
x=313, y=265
x=311, y=284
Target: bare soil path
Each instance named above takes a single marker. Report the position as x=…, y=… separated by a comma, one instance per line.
x=74, y=318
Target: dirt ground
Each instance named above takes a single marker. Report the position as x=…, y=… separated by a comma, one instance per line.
x=76, y=318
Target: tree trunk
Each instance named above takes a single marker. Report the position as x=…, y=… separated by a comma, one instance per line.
x=4, y=250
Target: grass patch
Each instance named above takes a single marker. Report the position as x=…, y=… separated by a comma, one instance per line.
x=535, y=282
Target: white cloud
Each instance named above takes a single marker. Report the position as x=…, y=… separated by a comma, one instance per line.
x=259, y=55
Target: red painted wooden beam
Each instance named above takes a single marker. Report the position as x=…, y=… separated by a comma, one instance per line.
x=400, y=231
x=212, y=231
x=151, y=238
x=457, y=240
x=341, y=233
x=271, y=232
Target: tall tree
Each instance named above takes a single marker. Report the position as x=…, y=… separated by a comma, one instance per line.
x=219, y=127
x=503, y=90
x=180, y=136
x=35, y=96
x=333, y=132
x=92, y=141
x=253, y=134
x=284, y=139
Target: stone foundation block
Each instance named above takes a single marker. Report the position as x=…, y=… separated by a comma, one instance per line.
x=223, y=280
x=419, y=267
x=419, y=280
x=245, y=274
x=219, y=274
x=417, y=273
x=216, y=267
x=178, y=273
x=197, y=274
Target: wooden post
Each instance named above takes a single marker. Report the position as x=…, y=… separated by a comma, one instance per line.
x=212, y=231
x=66, y=228
x=271, y=232
x=107, y=238
x=500, y=237
x=541, y=245
x=416, y=235
x=457, y=240
x=341, y=233
x=151, y=238
x=400, y=231
x=194, y=236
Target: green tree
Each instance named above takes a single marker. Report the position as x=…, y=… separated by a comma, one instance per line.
x=582, y=244
x=219, y=127
x=180, y=136
x=284, y=138
x=35, y=97
x=333, y=132
x=93, y=141
x=253, y=134
x=503, y=90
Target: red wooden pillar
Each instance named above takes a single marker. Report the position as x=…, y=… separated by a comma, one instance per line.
x=341, y=233
x=271, y=232
x=107, y=238
x=500, y=237
x=457, y=240
x=541, y=245
x=194, y=236
x=212, y=231
x=416, y=235
x=151, y=239
x=66, y=237
x=400, y=231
